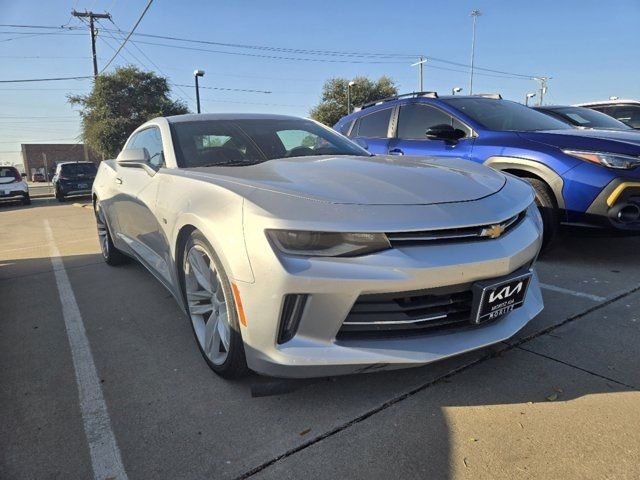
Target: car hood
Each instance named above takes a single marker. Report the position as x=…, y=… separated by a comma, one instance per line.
x=378, y=180
x=597, y=140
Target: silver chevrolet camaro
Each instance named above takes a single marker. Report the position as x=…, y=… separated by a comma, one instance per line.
x=296, y=253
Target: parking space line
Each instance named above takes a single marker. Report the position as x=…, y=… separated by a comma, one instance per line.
x=553, y=288
x=105, y=455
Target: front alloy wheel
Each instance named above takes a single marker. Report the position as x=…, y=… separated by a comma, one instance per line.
x=110, y=253
x=212, y=309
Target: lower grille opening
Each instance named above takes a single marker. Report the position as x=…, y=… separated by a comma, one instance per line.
x=408, y=313
x=292, y=309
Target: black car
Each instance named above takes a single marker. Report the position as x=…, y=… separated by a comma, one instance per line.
x=74, y=178
x=581, y=117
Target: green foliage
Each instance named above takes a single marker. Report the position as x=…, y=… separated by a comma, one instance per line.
x=119, y=103
x=333, y=105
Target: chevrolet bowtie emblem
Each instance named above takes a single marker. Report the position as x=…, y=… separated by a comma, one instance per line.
x=494, y=231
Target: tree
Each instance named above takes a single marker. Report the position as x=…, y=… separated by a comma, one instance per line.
x=119, y=103
x=333, y=105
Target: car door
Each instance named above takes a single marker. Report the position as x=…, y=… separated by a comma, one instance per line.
x=371, y=131
x=135, y=205
x=414, y=119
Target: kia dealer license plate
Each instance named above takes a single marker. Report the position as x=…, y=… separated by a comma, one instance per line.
x=493, y=300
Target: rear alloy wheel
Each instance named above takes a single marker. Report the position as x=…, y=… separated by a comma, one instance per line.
x=110, y=253
x=548, y=209
x=211, y=308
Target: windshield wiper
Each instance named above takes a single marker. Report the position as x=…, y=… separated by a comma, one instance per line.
x=233, y=163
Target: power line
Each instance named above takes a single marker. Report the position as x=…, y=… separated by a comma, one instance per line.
x=45, y=79
x=330, y=53
x=226, y=89
x=129, y=35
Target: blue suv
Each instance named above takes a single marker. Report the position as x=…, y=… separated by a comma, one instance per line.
x=583, y=177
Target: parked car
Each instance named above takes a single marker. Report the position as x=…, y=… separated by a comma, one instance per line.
x=38, y=177
x=73, y=178
x=13, y=187
x=580, y=176
x=627, y=111
x=582, y=117
x=295, y=252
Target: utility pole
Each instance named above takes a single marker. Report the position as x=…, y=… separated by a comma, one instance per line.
x=420, y=63
x=543, y=87
x=474, y=14
x=91, y=16
x=46, y=171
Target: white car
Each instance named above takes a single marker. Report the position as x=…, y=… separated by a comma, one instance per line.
x=13, y=187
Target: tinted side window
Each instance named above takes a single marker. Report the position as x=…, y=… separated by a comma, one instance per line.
x=374, y=125
x=629, y=114
x=150, y=139
x=416, y=119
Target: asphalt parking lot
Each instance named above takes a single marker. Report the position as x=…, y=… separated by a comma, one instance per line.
x=559, y=400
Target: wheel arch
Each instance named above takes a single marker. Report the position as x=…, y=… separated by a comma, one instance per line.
x=522, y=167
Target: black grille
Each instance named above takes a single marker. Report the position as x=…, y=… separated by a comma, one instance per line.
x=408, y=312
x=476, y=233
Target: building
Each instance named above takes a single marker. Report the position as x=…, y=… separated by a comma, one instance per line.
x=35, y=156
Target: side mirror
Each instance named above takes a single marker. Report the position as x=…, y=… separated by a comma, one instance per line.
x=444, y=132
x=362, y=142
x=137, y=158
x=133, y=155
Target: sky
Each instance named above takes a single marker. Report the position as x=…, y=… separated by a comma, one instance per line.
x=588, y=47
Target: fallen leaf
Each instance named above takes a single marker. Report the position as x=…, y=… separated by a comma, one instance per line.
x=552, y=398
x=304, y=432
x=466, y=463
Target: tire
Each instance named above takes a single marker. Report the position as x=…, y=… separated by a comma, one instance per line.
x=60, y=196
x=26, y=200
x=111, y=255
x=548, y=209
x=209, y=301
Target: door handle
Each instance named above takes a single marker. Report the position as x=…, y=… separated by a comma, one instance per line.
x=118, y=180
x=396, y=151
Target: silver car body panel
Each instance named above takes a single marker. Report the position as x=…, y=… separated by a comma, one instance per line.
x=233, y=206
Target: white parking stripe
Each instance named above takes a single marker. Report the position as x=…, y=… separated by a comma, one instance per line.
x=105, y=456
x=553, y=288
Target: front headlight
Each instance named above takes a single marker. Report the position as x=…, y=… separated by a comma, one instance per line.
x=327, y=244
x=611, y=160
x=534, y=213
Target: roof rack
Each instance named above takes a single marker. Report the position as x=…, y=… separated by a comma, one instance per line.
x=396, y=97
x=495, y=96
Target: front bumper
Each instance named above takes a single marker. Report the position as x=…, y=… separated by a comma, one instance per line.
x=333, y=285
x=616, y=204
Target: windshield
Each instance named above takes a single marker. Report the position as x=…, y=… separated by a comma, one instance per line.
x=503, y=115
x=585, y=117
x=208, y=143
x=9, y=172
x=78, y=169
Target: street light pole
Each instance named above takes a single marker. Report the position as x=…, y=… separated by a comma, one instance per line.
x=474, y=14
x=351, y=84
x=455, y=90
x=196, y=74
x=527, y=97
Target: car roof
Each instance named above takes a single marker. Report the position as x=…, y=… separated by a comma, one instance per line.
x=202, y=117
x=606, y=102
x=72, y=162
